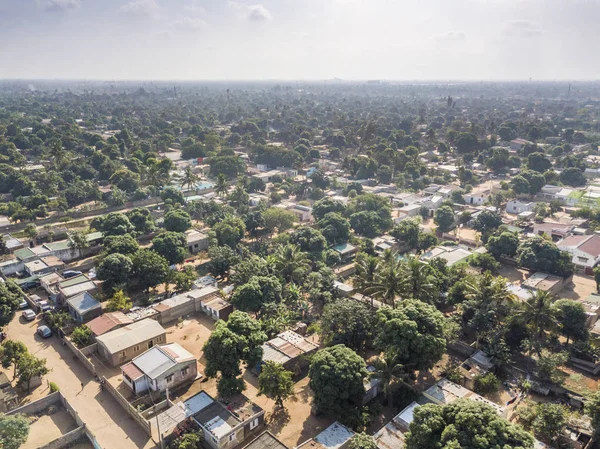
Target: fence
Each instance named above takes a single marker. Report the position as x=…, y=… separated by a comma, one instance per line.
x=82, y=356
x=137, y=417
x=37, y=406
x=67, y=439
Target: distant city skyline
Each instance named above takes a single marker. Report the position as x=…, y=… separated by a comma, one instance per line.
x=300, y=39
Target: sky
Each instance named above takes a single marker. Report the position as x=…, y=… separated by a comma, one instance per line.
x=300, y=39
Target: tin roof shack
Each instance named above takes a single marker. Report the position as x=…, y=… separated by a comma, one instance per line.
x=43, y=265
x=12, y=244
x=265, y=440
x=288, y=348
x=372, y=385
x=216, y=307
x=229, y=423
x=391, y=436
x=446, y=392
x=346, y=251
x=83, y=307
x=451, y=254
x=122, y=345
x=108, y=322
x=50, y=283
x=336, y=436
x=477, y=365
x=160, y=367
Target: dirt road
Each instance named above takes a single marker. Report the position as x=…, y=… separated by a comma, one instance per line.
x=105, y=418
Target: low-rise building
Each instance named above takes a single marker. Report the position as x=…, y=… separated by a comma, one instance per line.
x=83, y=307
x=336, y=436
x=265, y=440
x=288, y=349
x=12, y=244
x=75, y=285
x=556, y=231
x=123, y=344
x=584, y=249
x=225, y=426
x=196, y=241
x=446, y=392
x=159, y=368
x=108, y=322
x=517, y=207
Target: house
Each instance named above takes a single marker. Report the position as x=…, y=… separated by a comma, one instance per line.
x=545, y=282
x=384, y=242
x=184, y=304
x=159, y=368
x=216, y=307
x=564, y=195
x=346, y=251
x=302, y=213
x=108, y=322
x=84, y=307
x=518, y=144
x=196, y=241
x=477, y=198
x=225, y=426
x=584, y=249
x=556, y=231
x=336, y=436
x=123, y=344
x=517, y=207
x=43, y=265
x=451, y=254
x=254, y=199
x=410, y=210
x=75, y=285
x=12, y=244
x=477, y=365
x=49, y=283
x=391, y=436
x=446, y=392
x=265, y=440
x=289, y=349
x=342, y=289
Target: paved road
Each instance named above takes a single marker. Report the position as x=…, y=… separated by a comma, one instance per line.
x=103, y=415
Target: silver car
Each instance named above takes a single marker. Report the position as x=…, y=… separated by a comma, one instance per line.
x=29, y=315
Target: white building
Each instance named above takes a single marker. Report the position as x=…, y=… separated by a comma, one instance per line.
x=517, y=207
x=585, y=249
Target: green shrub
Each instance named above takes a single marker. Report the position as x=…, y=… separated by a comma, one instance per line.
x=53, y=387
x=487, y=383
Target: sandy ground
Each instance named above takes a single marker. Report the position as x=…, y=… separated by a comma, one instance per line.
x=48, y=428
x=582, y=287
x=105, y=417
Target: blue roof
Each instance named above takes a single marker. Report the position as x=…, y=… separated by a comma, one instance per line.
x=83, y=302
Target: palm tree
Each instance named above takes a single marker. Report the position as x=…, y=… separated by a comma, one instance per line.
x=390, y=281
x=390, y=373
x=290, y=262
x=57, y=153
x=421, y=281
x=221, y=185
x=539, y=314
x=189, y=179
x=366, y=271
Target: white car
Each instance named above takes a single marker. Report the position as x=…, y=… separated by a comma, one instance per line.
x=29, y=315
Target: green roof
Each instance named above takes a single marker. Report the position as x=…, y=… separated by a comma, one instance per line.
x=74, y=281
x=57, y=246
x=24, y=253
x=20, y=282
x=344, y=248
x=94, y=236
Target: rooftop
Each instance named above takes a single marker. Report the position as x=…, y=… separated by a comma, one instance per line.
x=131, y=335
x=159, y=359
x=265, y=440
x=286, y=346
x=334, y=437
x=107, y=322
x=83, y=302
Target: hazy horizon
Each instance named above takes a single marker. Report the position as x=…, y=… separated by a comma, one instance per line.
x=300, y=40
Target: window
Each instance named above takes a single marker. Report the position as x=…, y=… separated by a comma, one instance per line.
x=150, y=344
x=169, y=378
x=582, y=259
x=122, y=355
x=185, y=371
x=136, y=348
x=232, y=437
x=254, y=424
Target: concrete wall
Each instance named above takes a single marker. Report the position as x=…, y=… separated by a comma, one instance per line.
x=66, y=440
x=39, y=405
x=83, y=356
x=137, y=417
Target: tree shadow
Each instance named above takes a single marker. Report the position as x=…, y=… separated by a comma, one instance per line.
x=278, y=419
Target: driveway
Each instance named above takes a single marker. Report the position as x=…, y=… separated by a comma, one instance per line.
x=111, y=425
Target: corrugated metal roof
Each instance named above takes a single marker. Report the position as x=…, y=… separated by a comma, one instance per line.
x=131, y=335
x=153, y=362
x=84, y=302
x=270, y=354
x=132, y=371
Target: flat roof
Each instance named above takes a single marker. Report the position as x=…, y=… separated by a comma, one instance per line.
x=334, y=437
x=83, y=302
x=265, y=440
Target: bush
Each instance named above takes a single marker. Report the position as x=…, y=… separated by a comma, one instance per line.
x=486, y=384
x=53, y=387
x=81, y=336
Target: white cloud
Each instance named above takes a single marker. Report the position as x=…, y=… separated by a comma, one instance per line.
x=140, y=8
x=256, y=13
x=190, y=23
x=451, y=36
x=523, y=28
x=60, y=5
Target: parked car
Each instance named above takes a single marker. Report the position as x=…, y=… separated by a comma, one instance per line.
x=70, y=274
x=29, y=315
x=45, y=306
x=44, y=331
x=23, y=304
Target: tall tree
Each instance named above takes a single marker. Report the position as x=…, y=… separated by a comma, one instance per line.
x=189, y=179
x=14, y=431
x=275, y=382
x=11, y=352
x=291, y=264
